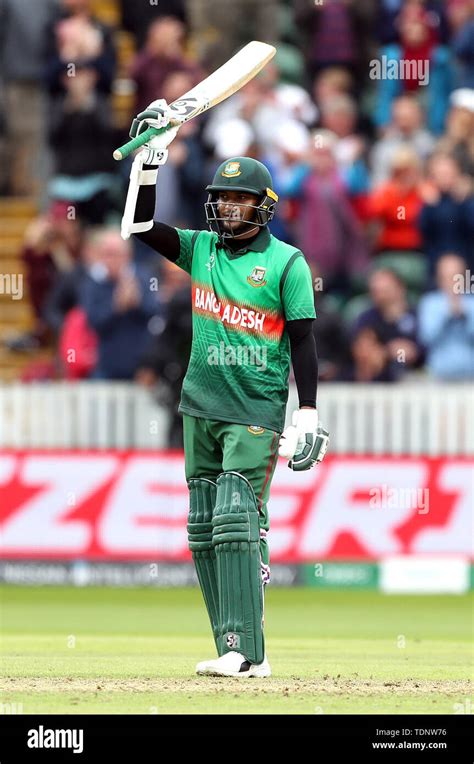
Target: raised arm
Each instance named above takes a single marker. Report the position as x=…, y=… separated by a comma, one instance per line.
x=140, y=205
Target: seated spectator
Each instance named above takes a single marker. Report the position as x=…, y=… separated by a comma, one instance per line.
x=163, y=54
x=446, y=322
x=387, y=27
x=76, y=40
x=458, y=138
x=119, y=301
x=83, y=140
x=392, y=321
x=295, y=103
x=405, y=129
x=136, y=16
x=333, y=81
x=287, y=149
x=396, y=204
x=336, y=32
x=427, y=73
x=370, y=361
x=339, y=115
x=264, y=103
x=64, y=295
x=329, y=233
x=463, y=45
x=22, y=139
x=447, y=216
x=51, y=247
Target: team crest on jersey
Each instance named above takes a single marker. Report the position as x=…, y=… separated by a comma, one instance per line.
x=257, y=277
x=231, y=170
x=255, y=429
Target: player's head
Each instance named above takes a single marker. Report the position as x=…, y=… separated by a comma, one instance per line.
x=241, y=198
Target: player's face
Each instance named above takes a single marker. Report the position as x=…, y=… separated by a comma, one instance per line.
x=234, y=207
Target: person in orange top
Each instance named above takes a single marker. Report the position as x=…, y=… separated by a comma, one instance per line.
x=396, y=204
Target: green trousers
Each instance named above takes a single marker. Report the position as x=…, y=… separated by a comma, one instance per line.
x=211, y=447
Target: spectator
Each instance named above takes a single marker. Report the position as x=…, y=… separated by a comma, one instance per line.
x=336, y=31
x=264, y=103
x=64, y=294
x=463, y=45
x=22, y=45
x=295, y=102
x=458, y=138
x=431, y=81
x=83, y=141
x=136, y=16
x=447, y=216
x=405, y=129
x=395, y=205
x=51, y=247
x=370, y=361
x=392, y=321
x=233, y=137
x=446, y=321
x=287, y=150
x=339, y=115
x=168, y=356
x=333, y=81
x=328, y=232
x=221, y=28
x=119, y=301
x=163, y=54
x=77, y=39
x=330, y=333
x=387, y=27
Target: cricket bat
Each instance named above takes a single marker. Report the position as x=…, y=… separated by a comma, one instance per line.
x=221, y=84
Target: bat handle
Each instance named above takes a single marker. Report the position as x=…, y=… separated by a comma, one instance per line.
x=136, y=143
x=124, y=151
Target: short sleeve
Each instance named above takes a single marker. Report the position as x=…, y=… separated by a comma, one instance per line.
x=297, y=289
x=187, y=239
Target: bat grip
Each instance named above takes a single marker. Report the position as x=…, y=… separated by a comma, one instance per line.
x=140, y=140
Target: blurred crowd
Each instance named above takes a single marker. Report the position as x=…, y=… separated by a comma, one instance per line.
x=365, y=119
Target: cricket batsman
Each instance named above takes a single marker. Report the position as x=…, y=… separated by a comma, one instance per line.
x=253, y=309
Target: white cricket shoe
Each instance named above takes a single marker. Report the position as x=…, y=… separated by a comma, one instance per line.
x=233, y=664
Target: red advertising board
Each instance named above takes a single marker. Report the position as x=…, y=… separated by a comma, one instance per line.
x=110, y=505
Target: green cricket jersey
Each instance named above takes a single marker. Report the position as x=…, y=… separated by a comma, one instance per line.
x=240, y=356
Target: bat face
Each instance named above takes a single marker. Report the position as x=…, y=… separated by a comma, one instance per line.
x=225, y=81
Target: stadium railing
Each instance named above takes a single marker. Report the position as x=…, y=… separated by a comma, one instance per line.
x=424, y=418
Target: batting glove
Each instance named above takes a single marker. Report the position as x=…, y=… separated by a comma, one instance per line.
x=156, y=115
x=305, y=442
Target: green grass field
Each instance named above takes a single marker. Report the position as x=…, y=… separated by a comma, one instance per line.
x=99, y=650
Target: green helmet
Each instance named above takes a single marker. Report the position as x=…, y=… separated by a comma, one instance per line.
x=241, y=174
